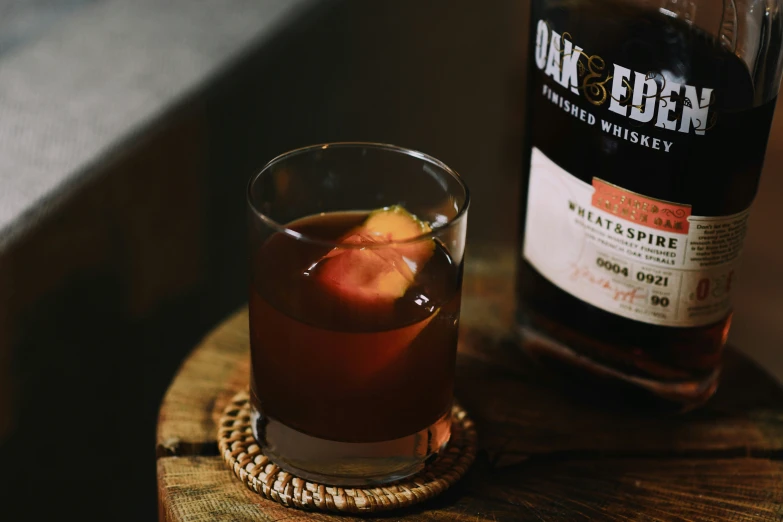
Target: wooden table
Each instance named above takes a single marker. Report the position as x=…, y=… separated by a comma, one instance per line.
x=545, y=454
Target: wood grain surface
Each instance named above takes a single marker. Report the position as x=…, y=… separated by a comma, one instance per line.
x=546, y=452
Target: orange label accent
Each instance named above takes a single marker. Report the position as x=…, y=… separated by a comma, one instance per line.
x=633, y=207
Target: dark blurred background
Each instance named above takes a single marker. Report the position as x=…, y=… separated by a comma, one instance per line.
x=112, y=270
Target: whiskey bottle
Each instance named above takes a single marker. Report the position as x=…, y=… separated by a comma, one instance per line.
x=647, y=125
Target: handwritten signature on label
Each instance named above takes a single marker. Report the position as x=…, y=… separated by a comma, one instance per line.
x=617, y=292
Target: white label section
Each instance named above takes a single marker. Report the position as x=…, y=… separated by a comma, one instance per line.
x=616, y=264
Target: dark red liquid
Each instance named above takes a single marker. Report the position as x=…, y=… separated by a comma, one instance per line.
x=345, y=371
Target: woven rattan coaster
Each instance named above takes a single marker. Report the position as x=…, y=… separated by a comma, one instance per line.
x=242, y=453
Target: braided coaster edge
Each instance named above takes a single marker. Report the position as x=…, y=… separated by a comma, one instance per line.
x=244, y=456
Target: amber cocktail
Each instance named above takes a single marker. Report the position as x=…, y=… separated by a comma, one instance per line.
x=356, y=272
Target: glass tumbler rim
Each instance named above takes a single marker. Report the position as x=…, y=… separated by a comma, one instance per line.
x=436, y=230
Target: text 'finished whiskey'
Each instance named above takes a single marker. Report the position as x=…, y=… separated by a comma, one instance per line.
x=646, y=133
